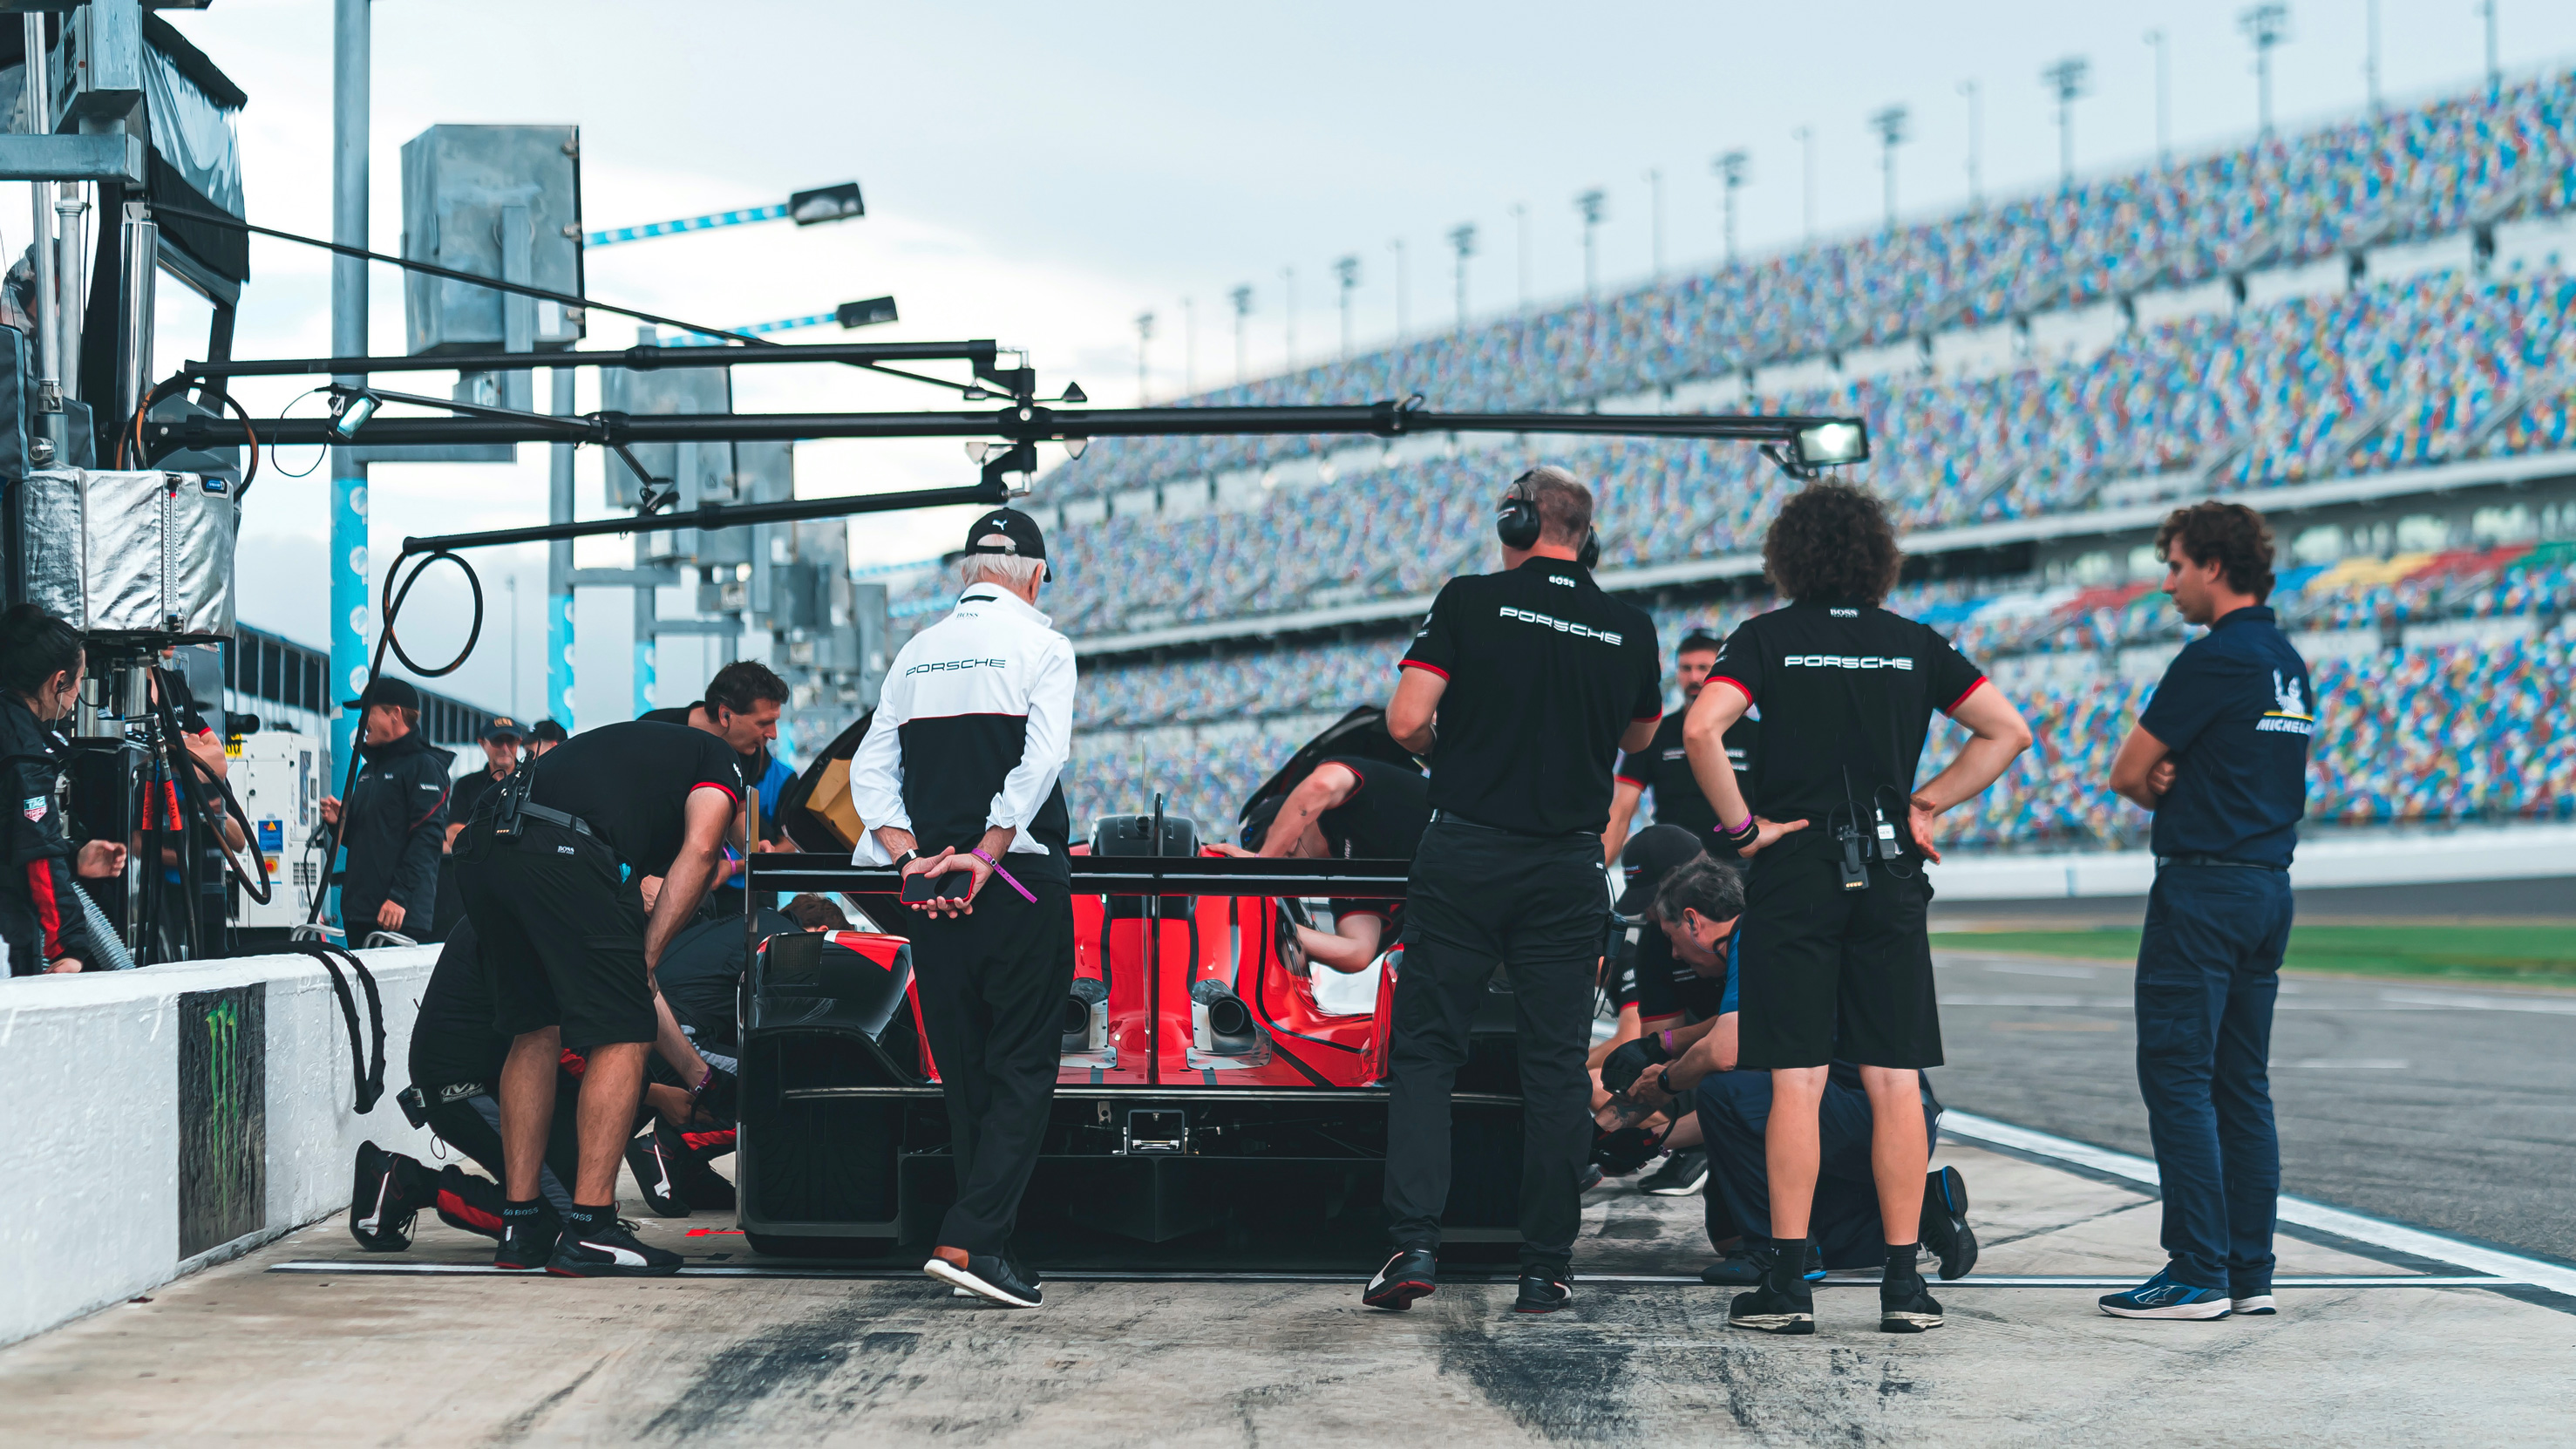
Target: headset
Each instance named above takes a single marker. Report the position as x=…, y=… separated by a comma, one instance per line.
x=1517, y=523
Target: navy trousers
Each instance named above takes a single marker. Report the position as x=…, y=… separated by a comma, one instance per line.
x=2208, y=972
x=1735, y=1112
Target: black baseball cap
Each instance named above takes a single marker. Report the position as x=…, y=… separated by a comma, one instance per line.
x=1007, y=531
x=396, y=692
x=1650, y=854
x=546, y=729
x=502, y=727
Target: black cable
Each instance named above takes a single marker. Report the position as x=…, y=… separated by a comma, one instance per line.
x=321, y=451
x=190, y=784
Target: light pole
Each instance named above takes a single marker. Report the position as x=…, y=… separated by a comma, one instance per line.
x=2495, y=71
x=1189, y=346
x=2070, y=78
x=1890, y=125
x=1655, y=190
x=1403, y=304
x=1733, y=169
x=1976, y=144
x=2164, y=99
x=1590, y=204
x=1520, y=258
x=1242, y=298
x=1463, y=238
x=2370, y=64
x=2265, y=26
x=1347, y=270
x=1288, y=279
x=1144, y=334
x=1806, y=138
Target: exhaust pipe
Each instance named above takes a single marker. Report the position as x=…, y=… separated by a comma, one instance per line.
x=1086, y=1017
x=1224, y=1025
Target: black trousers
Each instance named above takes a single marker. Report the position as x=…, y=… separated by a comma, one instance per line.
x=1539, y=906
x=1844, y=1224
x=993, y=987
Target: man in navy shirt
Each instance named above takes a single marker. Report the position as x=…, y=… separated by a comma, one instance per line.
x=2221, y=757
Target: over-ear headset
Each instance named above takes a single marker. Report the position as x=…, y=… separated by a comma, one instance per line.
x=1516, y=523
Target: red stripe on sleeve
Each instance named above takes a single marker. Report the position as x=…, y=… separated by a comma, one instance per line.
x=1738, y=685
x=1425, y=668
x=1655, y=718
x=730, y=792
x=1630, y=780
x=49, y=911
x=1953, y=705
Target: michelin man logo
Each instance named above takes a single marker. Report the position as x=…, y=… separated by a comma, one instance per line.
x=2292, y=718
x=2290, y=695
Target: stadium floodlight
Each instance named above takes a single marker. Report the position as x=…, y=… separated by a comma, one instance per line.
x=1892, y=125
x=805, y=208
x=1733, y=169
x=1591, y=205
x=1834, y=443
x=2265, y=26
x=826, y=203
x=2071, y=78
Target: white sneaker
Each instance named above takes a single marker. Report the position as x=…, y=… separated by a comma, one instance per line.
x=2258, y=1304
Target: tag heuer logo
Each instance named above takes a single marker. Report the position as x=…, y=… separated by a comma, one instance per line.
x=35, y=807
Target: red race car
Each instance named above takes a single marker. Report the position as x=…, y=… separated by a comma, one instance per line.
x=1209, y=1111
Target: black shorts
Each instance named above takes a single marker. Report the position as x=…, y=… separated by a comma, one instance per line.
x=562, y=938
x=1834, y=973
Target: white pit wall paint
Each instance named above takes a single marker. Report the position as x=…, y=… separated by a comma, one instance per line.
x=89, y=1066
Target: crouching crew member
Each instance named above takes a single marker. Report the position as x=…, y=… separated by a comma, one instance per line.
x=1347, y=809
x=2221, y=757
x=570, y=954
x=957, y=778
x=1672, y=989
x=1520, y=689
x=1835, y=957
x=1691, y=1071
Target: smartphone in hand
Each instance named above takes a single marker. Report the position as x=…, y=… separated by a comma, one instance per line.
x=919, y=888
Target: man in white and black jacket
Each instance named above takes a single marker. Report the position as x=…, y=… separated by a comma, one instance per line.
x=957, y=782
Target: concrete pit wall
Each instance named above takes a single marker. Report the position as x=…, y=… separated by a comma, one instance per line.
x=180, y=1115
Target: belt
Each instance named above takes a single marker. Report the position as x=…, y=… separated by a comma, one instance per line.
x=1452, y=817
x=2165, y=860
x=562, y=819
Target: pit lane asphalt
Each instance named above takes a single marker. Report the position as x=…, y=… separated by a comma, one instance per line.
x=2452, y=1108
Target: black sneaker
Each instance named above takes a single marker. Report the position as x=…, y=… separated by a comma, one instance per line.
x=987, y=1275
x=1945, y=1223
x=653, y=1164
x=1683, y=1173
x=1744, y=1267
x=1412, y=1273
x=1544, y=1291
x=607, y=1250
x=1905, y=1305
x=1589, y=1178
x=389, y=1191
x=1770, y=1309
x=527, y=1238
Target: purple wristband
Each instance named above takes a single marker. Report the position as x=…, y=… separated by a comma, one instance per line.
x=978, y=853
x=1731, y=831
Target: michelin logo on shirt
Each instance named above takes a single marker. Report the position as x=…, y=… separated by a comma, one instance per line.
x=2292, y=718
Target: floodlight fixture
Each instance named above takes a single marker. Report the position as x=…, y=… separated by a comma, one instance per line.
x=826, y=203
x=354, y=410
x=1834, y=443
x=868, y=313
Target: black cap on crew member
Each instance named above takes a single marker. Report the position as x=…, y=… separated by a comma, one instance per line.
x=397, y=692
x=1008, y=531
x=502, y=727
x=1649, y=854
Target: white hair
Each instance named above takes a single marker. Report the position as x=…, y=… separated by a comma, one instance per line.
x=1007, y=569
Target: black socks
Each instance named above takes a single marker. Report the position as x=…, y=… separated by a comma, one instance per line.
x=524, y=1214
x=592, y=1219
x=1789, y=1269
x=1902, y=1263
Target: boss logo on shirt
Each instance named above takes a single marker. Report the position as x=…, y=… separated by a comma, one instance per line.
x=946, y=664
x=1562, y=626
x=1560, y=582
x=1844, y=613
x=1847, y=661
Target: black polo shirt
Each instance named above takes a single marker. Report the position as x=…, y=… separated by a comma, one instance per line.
x=1382, y=820
x=631, y=783
x=1545, y=673
x=1662, y=769
x=1847, y=693
x=2235, y=709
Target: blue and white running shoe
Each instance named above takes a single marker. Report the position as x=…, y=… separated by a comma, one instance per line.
x=2162, y=1297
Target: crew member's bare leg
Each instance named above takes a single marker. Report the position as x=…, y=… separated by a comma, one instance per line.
x=527, y=1102
x=611, y=1086
x=1899, y=1153
x=1790, y=1151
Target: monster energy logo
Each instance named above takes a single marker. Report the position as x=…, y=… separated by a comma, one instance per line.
x=223, y=1116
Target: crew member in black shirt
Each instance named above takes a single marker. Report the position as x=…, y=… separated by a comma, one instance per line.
x=570, y=955
x=395, y=818
x=1833, y=927
x=1662, y=768
x=1347, y=808
x=1520, y=689
x=500, y=738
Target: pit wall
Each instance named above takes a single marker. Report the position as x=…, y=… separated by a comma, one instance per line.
x=2395, y=857
x=176, y=1116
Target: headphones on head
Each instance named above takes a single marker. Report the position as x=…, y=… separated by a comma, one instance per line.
x=1517, y=524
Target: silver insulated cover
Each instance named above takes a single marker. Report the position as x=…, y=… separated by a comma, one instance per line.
x=143, y=555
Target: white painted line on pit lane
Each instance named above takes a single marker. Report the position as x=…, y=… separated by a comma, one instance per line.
x=2350, y=1064
x=795, y=1270
x=2463, y=1001
x=2360, y=1227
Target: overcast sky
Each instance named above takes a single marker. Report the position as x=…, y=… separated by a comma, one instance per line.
x=1042, y=173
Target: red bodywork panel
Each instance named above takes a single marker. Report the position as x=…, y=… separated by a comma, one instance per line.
x=1234, y=941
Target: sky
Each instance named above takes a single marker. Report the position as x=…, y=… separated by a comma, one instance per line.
x=1044, y=174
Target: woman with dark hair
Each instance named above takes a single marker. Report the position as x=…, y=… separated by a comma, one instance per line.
x=40, y=919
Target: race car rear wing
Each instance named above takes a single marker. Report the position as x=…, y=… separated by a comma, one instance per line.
x=1201, y=875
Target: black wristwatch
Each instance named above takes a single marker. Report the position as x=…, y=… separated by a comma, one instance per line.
x=907, y=858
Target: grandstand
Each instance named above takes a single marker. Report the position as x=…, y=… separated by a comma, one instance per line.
x=2365, y=330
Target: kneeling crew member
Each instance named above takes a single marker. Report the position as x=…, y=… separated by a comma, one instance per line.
x=1835, y=956
x=957, y=777
x=1674, y=988
x=570, y=955
x=1519, y=689
x=1346, y=809
x=1696, y=906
